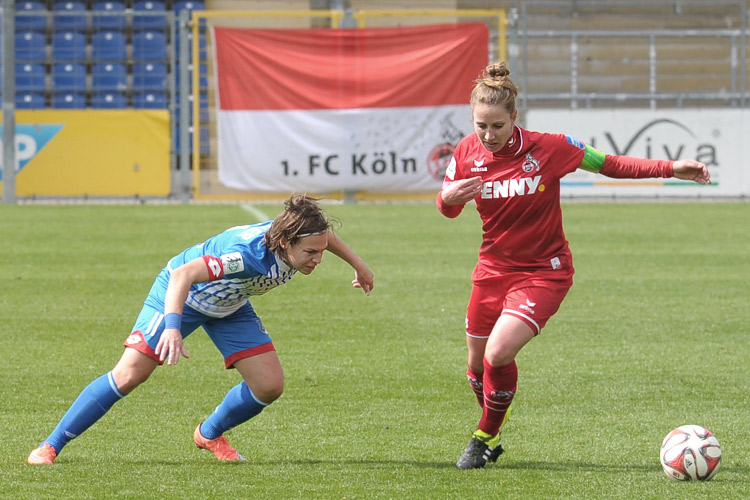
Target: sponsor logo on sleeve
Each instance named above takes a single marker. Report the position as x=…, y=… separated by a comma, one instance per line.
x=215, y=269
x=450, y=172
x=232, y=263
x=575, y=142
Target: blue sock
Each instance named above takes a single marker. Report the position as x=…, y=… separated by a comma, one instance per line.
x=91, y=405
x=239, y=405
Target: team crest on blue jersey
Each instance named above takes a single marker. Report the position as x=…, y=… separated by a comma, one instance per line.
x=575, y=142
x=232, y=263
x=530, y=164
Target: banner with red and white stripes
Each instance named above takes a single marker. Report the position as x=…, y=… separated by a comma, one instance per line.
x=349, y=109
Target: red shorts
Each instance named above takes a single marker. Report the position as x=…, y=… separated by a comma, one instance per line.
x=533, y=297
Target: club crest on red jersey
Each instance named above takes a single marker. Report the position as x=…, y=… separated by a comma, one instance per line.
x=531, y=164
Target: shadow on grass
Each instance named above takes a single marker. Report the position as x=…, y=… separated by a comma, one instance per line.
x=568, y=466
x=741, y=473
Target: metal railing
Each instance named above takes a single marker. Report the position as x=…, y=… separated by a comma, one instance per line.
x=732, y=45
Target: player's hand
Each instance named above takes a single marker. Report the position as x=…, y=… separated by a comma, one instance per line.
x=462, y=191
x=363, y=278
x=171, y=346
x=691, y=170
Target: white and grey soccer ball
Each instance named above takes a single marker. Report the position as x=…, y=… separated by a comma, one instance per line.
x=690, y=452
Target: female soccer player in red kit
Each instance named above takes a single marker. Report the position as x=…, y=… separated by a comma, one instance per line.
x=525, y=267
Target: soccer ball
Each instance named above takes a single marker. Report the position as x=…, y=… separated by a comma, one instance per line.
x=690, y=452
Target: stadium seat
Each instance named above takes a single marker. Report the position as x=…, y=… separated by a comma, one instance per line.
x=149, y=22
x=150, y=100
x=112, y=16
x=30, y=100
x=37, y=21
x=30, y=46
x=69, y=77
x=69, y=16
x=68, y=46
x=149, y=46
x=109, y=76
x=149, y=76
x=186, y=5
x=30, y=78
x=108, y=46
x=109, y=100
x=69, y=100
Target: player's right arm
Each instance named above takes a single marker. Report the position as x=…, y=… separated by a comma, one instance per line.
x=460, y=192
x=198, y=270
x=457, y=191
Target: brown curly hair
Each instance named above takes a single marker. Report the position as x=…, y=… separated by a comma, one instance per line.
x=301, y=217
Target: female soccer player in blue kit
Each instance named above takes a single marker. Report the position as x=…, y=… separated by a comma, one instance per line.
x=208, y=285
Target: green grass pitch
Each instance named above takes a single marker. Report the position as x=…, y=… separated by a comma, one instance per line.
x=653, y=335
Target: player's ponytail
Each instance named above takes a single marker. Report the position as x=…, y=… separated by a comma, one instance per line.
x=494, y=86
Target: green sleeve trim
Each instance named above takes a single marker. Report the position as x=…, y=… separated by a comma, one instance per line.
x=593, y=159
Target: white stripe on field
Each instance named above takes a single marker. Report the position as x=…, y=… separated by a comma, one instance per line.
x=255, y=212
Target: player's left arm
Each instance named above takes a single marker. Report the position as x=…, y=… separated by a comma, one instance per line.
x=631, y=167
x=363, y=277
x=691, y=170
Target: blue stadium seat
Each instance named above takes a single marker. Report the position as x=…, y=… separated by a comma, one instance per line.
x=107, y=21
x=31, y=46
x=30, y=100
x=188, y=5
x=149, y=76
x=30, y=78
x=68, y=46
x=109, y=76
x=149, y=46
x=69, y=77
x=37, y=21
x=109, y=100
x=150, y=100
x=69, y=16
x=149, y=22
x=69, y=100
x=108, y=46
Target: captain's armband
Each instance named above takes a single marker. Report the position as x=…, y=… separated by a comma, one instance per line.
x=593, y=159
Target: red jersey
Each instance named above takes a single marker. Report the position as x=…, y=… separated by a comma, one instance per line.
x=520, y=198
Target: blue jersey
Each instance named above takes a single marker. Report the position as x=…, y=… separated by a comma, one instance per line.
x=247, y=268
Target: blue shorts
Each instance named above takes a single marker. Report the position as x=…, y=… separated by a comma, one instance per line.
x=237, y=336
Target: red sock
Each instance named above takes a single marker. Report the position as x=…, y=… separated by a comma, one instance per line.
x=475, y=382
x=500, y=384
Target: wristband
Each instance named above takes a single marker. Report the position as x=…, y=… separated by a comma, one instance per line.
x=173, y=320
